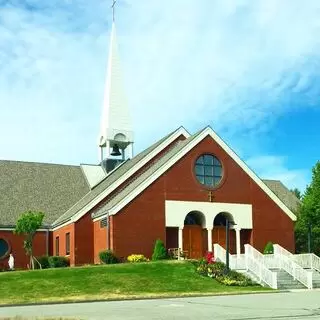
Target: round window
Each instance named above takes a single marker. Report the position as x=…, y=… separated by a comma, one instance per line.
x=208, y=170
x=4, y=248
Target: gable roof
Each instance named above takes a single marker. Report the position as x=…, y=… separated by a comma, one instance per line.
x=284, y=194
x=157, y=165
x=129, y=193
x=117, y=177
x=51, y=188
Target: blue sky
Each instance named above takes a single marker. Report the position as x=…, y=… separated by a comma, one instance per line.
x=249, y=69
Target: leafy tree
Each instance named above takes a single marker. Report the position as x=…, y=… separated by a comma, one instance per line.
x=296, y=192
x=28, y=224
x=159, y=251
x=309, y=215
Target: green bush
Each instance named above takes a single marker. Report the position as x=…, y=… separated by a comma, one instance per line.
x=44, y=261
x=58, y=262
x=268, y=248
x=108, y=257
x=137, y=258
x=159, y=252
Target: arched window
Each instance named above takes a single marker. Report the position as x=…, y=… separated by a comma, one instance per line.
x=221, y=219
x=208, y=170
x=194, y=218
x=4, y=248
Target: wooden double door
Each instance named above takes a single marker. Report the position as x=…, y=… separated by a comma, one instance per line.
x=219, y=236
x=195, y=241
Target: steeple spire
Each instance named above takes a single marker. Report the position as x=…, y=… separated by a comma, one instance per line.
x=116, y=127
x=113, y=8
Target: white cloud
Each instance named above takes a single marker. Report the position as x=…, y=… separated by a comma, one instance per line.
x=275, y=167
x=235, y=65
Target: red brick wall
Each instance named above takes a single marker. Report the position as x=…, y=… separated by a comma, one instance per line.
x=84, y=246
x=16, y=243
x=100, y=240
x=141, y=222
x=61, y=233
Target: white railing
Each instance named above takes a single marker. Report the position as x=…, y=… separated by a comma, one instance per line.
x=256, y=264
x=248, y=261
x=307, y=260
x=270, y=261
x=286, y=260
x=303, y=260
x=219, y=252
x=315, y=262
x=236, y=262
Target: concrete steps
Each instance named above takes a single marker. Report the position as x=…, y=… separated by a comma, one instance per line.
x=286, y=281
x=315, y=279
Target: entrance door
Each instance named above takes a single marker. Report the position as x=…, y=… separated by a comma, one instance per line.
x=219, y=236
x=193, y=241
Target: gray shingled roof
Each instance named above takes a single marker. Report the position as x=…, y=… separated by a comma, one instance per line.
x=283, y=193
x=61, y=190
x=145, y=175
x=51, y=188
x=110, y=179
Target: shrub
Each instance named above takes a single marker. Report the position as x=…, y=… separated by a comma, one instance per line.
x=137, y=258
x=159, y=251
x=108, y=257
x=268, y=248
x=44, y=261
x=58, y=262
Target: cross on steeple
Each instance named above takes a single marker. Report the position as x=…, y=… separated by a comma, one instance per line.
x=113, y=8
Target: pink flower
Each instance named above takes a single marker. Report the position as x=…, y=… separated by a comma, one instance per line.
x=210, y=257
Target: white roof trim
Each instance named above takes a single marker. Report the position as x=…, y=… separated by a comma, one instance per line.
x=184, y=151
x=140, y=164
x=12, y=228
x=61, y=225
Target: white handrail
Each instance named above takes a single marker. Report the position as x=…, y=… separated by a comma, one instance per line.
x=315, y=263
x=307, y=260
x=287, y=263
x=255, y=263
x=219, y=252
x=248, y=262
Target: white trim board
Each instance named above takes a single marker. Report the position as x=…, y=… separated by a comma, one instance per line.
x=176, y=211
x=11, y=229
x=206, y=132
x=180, y=131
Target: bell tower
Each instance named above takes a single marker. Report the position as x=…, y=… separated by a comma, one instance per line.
x=116, y=132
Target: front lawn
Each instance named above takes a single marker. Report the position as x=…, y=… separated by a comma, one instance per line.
x=107, y=282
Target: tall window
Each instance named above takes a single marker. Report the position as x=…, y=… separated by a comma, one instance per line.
x=208, y=170
x=67, y=243
x=57, y=246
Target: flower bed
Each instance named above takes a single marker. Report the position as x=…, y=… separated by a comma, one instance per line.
x=208, y=267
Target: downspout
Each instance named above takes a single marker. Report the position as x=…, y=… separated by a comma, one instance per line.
x=47, y=242
x=108, y=230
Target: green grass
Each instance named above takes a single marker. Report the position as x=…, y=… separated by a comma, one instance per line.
x=107, y=282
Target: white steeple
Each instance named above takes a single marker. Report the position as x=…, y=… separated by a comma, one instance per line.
x=116, y=127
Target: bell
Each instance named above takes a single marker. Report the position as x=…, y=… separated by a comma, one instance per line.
x=115, y=151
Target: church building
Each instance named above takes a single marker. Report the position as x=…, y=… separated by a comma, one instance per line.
x=183, y=189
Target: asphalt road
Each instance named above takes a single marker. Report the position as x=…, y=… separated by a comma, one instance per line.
x=290, y=305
